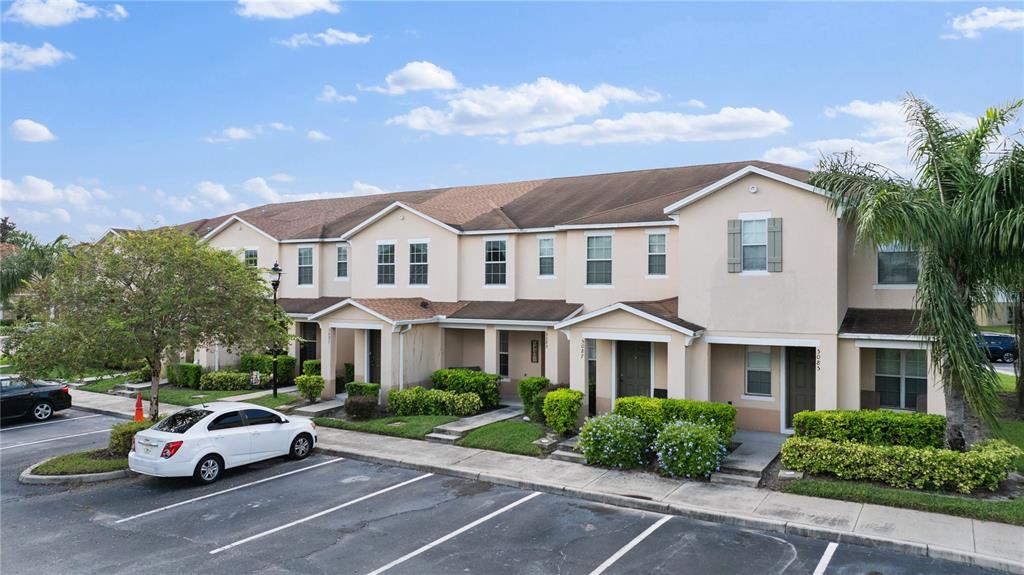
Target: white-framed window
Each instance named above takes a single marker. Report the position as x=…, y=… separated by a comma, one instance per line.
x=251, y=257
x=759, y=371
x=342, y=261
x=901, y=375
x=495, y=262
x=305, y=275
x=656, y=254
x=503, y=353
x=897, y=265
x=545, y=256
x=418, y=264
x=386, y=264
x=754, y=239
x=599, y=260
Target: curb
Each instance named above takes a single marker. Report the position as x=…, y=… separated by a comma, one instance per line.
x=734, y=519
x=100, y=410
x=29, y=478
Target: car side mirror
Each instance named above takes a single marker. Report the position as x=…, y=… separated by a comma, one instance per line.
x=282, y=420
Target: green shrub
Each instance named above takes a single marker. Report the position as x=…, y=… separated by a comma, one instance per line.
x=562, y=409
x=422, y=401
x=654, y=413
x=531, y=392
x=873, y=427
x=483, y=384
x=986, y=465
x=646, y=410
x=614, y=441
x=311, y=367
x=260, y=362
x=224, y=381
x=142, y=374
x=359, y=388
x=350, y=372
x=687, y=449
x=464, y=404
x=310, y=386
x=121, y=436
x=264, y=363
x=187, y=374
x=361, y=406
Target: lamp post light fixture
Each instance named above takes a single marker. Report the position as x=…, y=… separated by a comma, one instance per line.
x=275, y=282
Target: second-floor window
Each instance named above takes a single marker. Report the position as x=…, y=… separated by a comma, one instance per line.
x=385, y=264
x=251, y=257
x=897, y=265
x=656, y=264
x=546, y=256
x=755, y=245
x=418, y=264
x=305, y=266
x=342, y=261
x=599, y=260
x=495, y=259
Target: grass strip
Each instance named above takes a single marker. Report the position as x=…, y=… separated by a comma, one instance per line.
x=412, y=426
x=510, y=436
x=92, y=461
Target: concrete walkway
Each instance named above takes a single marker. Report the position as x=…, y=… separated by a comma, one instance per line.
x=261, y=393
x=113, y=404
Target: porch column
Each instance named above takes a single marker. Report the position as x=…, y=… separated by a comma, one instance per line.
x=359, y=366
x=388, y=351
x=606, y=383
x=552, y=340
x=491, y=349
x=826, y=374
x=698, y=367
x=327, y=359
x=849, y=374
x=578, y=370
x=936, y=396
x=676, y=368
x=293, y=345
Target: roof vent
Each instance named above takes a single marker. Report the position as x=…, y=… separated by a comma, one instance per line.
x=424, y=304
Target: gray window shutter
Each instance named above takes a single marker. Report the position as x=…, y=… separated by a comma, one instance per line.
x=775, y=244
x=735, y=251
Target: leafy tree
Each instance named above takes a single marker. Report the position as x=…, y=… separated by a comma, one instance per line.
x=145, y=295
x=10, y=234
x=32, y=261
x=963, y=214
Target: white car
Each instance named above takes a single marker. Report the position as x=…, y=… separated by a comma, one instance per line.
x=204, y=440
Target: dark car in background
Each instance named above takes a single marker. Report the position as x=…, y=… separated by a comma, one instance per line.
x=20, y=397
x=999, y=347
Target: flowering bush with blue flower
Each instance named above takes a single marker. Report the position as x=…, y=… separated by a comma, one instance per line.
x=613, y=441
x=688, y=449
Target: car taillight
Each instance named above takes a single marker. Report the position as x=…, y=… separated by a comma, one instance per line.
x=66, y=390
x=170, y=449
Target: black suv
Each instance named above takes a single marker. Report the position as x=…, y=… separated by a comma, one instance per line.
x=20, y=397
x=999, y=347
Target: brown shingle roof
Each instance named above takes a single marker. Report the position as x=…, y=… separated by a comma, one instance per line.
x=410, y=308
x=518, y=310
x=666, y=309
x=307, y=305
x=880, y=321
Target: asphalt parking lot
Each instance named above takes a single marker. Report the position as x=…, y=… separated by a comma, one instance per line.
x=332, y=515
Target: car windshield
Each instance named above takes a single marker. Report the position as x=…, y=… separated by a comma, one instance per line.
x=181, y=421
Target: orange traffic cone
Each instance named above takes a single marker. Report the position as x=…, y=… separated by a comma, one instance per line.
x=138, y=407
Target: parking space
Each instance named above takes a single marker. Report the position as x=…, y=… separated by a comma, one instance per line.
x=331, y=515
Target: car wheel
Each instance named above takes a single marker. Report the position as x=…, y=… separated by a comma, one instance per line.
x=1008, y=357
x=208, y=469
x=301, y=446
x=42, y=411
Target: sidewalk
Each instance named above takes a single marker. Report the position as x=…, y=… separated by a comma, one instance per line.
x=113, y=404
x=982, y=543
x=261, y=393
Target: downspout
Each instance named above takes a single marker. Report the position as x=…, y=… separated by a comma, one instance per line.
x=401, y=355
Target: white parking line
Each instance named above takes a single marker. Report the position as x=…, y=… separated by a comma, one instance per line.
x=825, y=558
x=625, y=548
x=229, y=490
x=319, y=514
x=49, y=422
x=53, y=439
x=455, y=533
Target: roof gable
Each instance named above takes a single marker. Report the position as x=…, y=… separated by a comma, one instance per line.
x=736, y=176
x=395, y=206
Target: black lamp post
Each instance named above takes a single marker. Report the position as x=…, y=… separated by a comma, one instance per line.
x=275, y=282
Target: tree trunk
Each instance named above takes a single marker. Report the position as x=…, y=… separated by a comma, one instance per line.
x=963, y=427
x=154, y=389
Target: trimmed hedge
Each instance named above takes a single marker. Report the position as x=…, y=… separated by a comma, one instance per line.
x=562, y=409
x=687, y=449
x=422, y=401
x=873, y=427
x=224, y=381
x=311, y=367
x=654, y=413
x=121, y=436
x=361, y=406
x=310, y=386
x=358, y=388
x=531, y=393
x=185, y=375
x=613, y=441
x=986, y=465
x=485, y=385
x=264, y=363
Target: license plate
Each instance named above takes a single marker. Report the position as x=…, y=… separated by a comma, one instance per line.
x=147, y=450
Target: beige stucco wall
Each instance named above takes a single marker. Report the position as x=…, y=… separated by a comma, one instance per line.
x=519, y=362
x=239, y=236
x=862, y=290
x=464, y=347
x=423, y=353
x=528, y=284
x=471, y=269
x=289, y=261
x=728, y=379
x=327, y=274
x=629, y=268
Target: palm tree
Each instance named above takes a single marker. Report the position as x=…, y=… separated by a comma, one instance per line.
x=34, y=260
x=964, y=215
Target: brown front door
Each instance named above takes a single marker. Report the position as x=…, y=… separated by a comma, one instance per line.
x=799, y=381
x=373, y=356
x=633, y=364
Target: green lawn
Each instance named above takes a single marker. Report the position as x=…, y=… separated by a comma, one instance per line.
x=95, y=461
x=275, y=402
x=183, y=395
x=104, y=385
x=1013, y=431
x=997, y=328
x=1007, y=381
x=413, y=426
x=8, y=369
x=509, y=436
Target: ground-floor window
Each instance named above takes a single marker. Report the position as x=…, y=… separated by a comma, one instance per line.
x=759, y=371
x=591, y=361
x=900, y=376
x=503, y=353
x=307, y=341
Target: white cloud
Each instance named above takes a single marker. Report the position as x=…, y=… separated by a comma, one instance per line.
x=179, y=203
x=44, y=217
x=34, y=190
x=695, y=103
x=236, y=133
x=493, y=110
x=284, y=9
x=47, y=13
x=329, y=37
x=416, y=76
x=15, y=56
x=209, y=193
x=317, y=136
x=132, y=216
x=788, y=155
x=329, y=94
x=364, y=189
x=281, y=177
x=261, y=188
x=281, y=127
x=650, y=127
x=30, y=131
x=971, y=25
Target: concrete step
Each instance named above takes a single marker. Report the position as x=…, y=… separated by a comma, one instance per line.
x=746, y=472
x=733, y=479
x=566, y=455
x=461, y=427
x=446, y=438
x=323, y=408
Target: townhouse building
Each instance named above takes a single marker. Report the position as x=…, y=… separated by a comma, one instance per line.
x=727, y=282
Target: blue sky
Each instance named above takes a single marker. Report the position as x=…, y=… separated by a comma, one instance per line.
x=164, y=112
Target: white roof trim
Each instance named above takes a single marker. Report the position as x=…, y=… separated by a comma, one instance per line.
x=614, y=226
x=353, y=303
x=235, y=218
x=387, y=210
x=629, y=309
x=714, y=187
x=884, y=337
